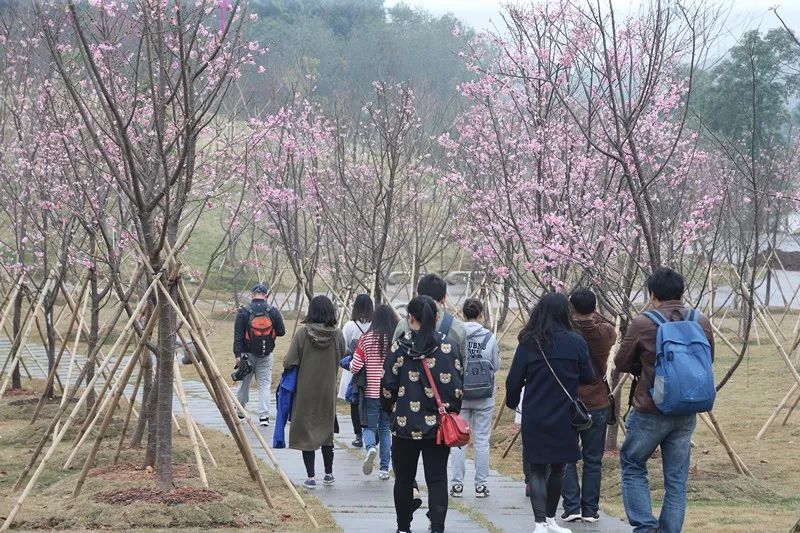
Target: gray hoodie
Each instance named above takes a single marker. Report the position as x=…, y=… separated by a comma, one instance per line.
x=475, y=333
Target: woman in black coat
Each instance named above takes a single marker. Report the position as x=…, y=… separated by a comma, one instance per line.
x=549, y=439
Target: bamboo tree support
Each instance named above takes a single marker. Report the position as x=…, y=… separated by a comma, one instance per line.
x=54, y=371
x=233, y=402
x=511, y=444
x=777, y=411
x=226, y=398
x=23, y=334
x=115, y=396
x=791, y=410
x=10, y=304
x=74, y=351
x=187, y=416
x=716, y=430
x=62, y=432
x=204, y=379
x=220, y=388
x=127, y=422
x=101, y=403
x=84, y=329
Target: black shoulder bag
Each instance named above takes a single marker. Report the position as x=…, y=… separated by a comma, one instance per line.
x=581, y=419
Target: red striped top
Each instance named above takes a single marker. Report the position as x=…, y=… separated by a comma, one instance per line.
x=368, y=350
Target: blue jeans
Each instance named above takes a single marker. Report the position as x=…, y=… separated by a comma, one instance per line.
x=377, y=423
x=583, y=499
x=646, y=432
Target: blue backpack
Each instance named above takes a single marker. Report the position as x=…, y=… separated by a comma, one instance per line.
x=684, y=380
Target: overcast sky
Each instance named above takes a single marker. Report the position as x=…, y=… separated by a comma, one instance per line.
x=743, y=14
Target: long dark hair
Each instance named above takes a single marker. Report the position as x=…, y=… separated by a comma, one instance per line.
x=424, y=310
x=362, y=309
x=384, y=322
x=551, y=313
x=321, y=311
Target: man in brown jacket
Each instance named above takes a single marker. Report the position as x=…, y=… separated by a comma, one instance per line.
x=648, y=428
x=581, y=502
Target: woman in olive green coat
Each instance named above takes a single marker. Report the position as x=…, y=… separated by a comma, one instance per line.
x=316, y=349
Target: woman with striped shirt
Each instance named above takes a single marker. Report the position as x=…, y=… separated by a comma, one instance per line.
x=371, y=349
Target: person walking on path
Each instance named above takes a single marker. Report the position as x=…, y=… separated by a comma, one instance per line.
x=370, y=352
x=482, y=360
x=647, y=428
x=550, y=355
x=255, y=330
x=358, y=324
x=409, y=396
x=581, y=501
x=435, y=286
x=316, y=349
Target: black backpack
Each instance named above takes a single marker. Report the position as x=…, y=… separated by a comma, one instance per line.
x=479, y=372
x=260, y=333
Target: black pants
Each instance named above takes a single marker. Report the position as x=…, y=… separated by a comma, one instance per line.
x=545, y=489
x=356, y=418
x=405, y=454
x=327, y=458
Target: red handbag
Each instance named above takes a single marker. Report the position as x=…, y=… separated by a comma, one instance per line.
x=453, y=429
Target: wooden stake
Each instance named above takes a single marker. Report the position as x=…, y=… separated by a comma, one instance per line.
x=128, y=416
x=189, y=423
x=777, y=410
x=23, y=334
x=60, y=435
x=53, y=371
x=791, y=410
x=511, y=444
x=115, y=395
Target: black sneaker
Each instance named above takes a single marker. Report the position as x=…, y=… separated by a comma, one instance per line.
x=457, y=490
x=264, y=421
x=328, y=479
x=590, y=517
x=241, y=417
x=358, y=443
x=481, y=491
x=310, y=484
x=570, y=517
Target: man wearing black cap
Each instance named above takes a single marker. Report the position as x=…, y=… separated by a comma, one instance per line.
x=257, y=327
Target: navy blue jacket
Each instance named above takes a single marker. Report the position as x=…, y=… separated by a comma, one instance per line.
x=240, y=344
x=548, y=436
x=284, y=398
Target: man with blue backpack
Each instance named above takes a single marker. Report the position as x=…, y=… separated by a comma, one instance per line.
x=669, y=350
x=481, y=362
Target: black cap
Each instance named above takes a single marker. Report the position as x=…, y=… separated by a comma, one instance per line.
x=260, y=288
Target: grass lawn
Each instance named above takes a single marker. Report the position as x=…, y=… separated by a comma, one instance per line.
x=109, y=497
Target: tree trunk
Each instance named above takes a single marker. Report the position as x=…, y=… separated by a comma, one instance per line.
x=16, y=381
x=150, y=415
x=147, y=385
x=501, y=320
x=796, y=528
x=51, y=342
x=166, y=355
x=94, y=336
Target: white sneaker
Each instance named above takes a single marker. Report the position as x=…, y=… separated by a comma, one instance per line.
x=541, y=528
x=553, y=527
x=369, y=461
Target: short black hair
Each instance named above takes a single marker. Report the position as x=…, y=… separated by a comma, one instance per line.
x=321, y=311
x=583, y=301
x=666, y=284
x=432, y=285
x=472, y=308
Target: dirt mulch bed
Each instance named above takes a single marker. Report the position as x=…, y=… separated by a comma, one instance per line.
x=134, y=472
x=175, y=497
x=20, y=392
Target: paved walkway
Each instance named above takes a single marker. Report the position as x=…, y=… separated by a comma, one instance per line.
x=359, y=503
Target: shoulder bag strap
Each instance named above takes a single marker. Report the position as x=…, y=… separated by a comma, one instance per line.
x=486, y=339
x=447, y=323
x=428, y=374
x=554, y=372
